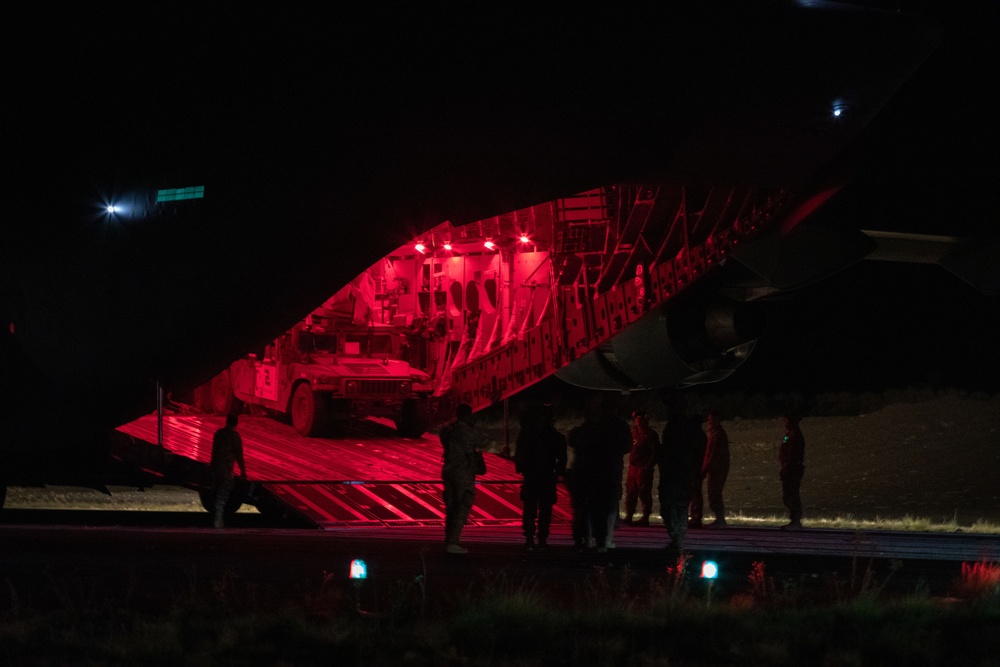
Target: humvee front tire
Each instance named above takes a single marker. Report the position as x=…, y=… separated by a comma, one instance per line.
x=224, y=401
x=412, y=420
x=310, y=411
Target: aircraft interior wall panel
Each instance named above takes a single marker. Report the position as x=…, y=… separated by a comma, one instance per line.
x=602, y=325
x=471, y=386
x=496, y=380
x=507, y=365
x=698, y=265
x=682, y=268
x=551, y=346
x=518, y=364
x=616, y=309
x=666, y=280
x=653, y=291
x=574, y=317
x=526, y=268
x=479, y=375
x=501, y=369
x=490, y=377
x=465, y=385
x=712, y=249
x=536, y=357
x=633, y=304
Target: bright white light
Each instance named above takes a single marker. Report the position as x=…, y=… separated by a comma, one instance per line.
x=524, y=239
x=447, y=246
x=709, y=570
x=837, y=111
x=113, y=209
x=359, y=569
x=490, y=245
x=421, y=248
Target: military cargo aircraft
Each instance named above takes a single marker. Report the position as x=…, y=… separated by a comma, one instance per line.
x=183, y=188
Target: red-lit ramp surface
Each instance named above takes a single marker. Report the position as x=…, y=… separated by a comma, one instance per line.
x=366, y=477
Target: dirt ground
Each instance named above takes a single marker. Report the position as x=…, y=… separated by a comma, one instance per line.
x=936, y=460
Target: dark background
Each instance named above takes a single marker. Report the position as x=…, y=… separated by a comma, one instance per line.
x=929, y=163
x=874, y=327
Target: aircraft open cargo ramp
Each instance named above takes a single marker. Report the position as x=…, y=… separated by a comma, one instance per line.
x=367, y=475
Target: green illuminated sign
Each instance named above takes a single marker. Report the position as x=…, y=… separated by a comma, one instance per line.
x=177, y=194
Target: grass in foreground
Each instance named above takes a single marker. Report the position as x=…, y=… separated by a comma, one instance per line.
x=610, y=618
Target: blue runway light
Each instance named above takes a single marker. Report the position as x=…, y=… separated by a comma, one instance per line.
x=709, y=570
x=359, y=569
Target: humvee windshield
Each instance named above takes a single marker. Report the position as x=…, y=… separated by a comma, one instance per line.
x=311, y=341
x=380, y=343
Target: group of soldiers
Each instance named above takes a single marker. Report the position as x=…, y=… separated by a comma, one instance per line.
x=691, y=458
x=693, y=453
x=687, y=457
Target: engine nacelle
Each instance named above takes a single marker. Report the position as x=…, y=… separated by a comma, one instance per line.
x=680, y=343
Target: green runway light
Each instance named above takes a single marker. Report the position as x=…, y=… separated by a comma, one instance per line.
x=177, y=194
x=359, y=569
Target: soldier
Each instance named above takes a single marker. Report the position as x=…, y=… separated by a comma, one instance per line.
x=599, y=444
x=641, y=466
x=227, y=449
x=715, y=468
x=460, y=440
x=540, y=458
x=681, y=454
x=791, y=457
x=698, y=443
